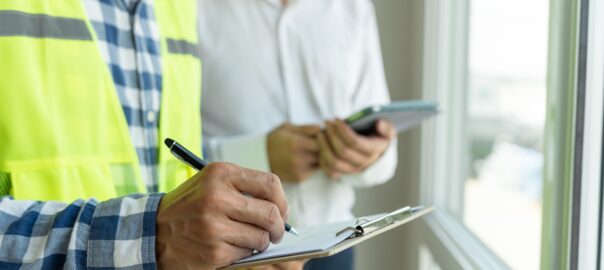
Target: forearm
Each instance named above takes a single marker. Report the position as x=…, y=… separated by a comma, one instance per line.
x=83, y=234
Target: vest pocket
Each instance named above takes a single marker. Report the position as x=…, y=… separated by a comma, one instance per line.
x=5, y=184
x=66, y=183
x=125, y=179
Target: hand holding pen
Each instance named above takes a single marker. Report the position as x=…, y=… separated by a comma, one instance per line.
x=208, y=221
x=194, y=161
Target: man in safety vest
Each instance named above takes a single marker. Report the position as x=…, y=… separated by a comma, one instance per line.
x=89, y=88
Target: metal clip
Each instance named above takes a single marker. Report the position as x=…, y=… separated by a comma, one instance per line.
x=369, y=226
x=354, y=230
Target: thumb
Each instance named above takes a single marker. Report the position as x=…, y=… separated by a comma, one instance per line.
x=385, y=129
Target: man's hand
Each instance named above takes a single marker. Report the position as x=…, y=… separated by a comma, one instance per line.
x=343, y=151
x=293, y=152
x=208, y=223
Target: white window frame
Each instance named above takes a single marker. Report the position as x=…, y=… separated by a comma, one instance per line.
x=590, y=222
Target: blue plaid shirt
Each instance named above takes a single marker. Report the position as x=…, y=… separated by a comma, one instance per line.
x=118, y=233
x=128, y=38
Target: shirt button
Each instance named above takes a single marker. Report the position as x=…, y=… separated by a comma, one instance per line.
x=151, y=116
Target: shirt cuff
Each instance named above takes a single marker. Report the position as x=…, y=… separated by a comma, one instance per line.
x=247, y=151
x=122, y=233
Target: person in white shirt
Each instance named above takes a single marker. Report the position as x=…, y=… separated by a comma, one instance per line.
x=277, y=77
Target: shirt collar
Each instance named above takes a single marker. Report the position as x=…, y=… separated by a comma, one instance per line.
x=131, y=5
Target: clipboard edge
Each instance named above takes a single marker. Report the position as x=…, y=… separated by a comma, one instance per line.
x=333, y=250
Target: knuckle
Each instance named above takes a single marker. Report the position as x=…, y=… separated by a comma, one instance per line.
x=216, y=256
x=215, y=169
x=346, y=152
x=342, y=152
x=212, y=198
x=263, y=240
x=273, y=214
x=273, y=182
x=211, y=230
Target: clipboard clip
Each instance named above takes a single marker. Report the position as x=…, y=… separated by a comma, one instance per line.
x=365, y=226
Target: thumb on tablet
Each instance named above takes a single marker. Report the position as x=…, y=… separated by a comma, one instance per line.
x=385, y=129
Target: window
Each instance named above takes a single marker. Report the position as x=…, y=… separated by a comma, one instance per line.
x=505, y=118
x=486, y=63
x=510, y=170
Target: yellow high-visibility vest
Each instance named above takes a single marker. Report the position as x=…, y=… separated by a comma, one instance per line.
x=63, y=134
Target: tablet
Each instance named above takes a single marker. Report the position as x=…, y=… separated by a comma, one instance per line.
x=403, y=114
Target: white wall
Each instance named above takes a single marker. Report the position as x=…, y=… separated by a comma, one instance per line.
x=401, y=23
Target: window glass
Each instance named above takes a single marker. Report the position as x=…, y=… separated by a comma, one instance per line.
x=505, y=119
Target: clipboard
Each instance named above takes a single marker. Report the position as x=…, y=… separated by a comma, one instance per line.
x=364, y=228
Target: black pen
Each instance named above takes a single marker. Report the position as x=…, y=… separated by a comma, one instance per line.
x=184, y=155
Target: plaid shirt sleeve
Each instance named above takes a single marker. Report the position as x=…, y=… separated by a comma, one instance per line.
x=119, y=233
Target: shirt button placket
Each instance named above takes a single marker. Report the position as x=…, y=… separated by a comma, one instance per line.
x=282, y=51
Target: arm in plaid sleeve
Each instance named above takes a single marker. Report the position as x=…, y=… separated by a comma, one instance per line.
x=84, y=234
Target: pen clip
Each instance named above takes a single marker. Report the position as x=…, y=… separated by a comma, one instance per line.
x=183, y=160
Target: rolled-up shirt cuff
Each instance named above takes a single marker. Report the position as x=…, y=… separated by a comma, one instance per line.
x=122, y=233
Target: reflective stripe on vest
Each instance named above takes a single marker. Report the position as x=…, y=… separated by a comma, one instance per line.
x=183, y=47
x=16, y=23
x=67, y=136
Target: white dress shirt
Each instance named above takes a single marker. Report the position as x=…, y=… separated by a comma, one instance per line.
x=265, y=64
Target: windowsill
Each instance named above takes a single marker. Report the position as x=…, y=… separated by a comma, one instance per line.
x=461, y=243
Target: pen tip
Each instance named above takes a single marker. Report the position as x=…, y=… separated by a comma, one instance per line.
x=168, y=142
x=294, y=232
